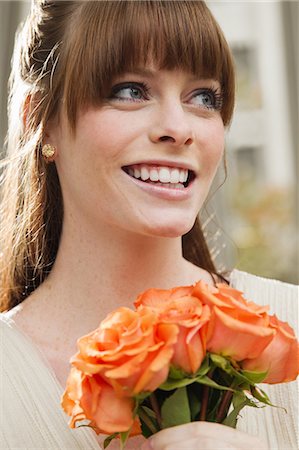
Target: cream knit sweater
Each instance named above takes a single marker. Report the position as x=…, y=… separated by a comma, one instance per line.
x=30, y=412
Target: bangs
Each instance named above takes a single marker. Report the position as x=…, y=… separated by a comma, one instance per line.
x=108, y=38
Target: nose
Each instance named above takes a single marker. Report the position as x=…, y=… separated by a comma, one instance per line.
x=172, y=125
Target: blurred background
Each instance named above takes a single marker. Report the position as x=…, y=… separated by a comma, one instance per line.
x=251, y=222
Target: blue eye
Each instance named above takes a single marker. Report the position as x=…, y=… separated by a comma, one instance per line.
x=208, y=98
x=133, y=92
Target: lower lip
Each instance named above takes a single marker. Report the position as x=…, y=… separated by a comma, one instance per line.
x=165, y=193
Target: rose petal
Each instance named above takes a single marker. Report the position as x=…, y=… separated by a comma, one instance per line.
x=280, y=357
x=239, y=340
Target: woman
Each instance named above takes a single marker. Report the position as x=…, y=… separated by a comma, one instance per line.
x=122, y=110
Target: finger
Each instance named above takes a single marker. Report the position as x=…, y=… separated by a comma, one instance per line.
x=204, y=430
x=198, y=444
x=146, y=446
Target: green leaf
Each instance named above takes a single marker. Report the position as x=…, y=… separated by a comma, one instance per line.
x=204, y=367
x=148, y=411
x=240, y=397
x=260, y=395
x=86, y=425
x=175, y=373
x=175, y=410
x=145, y=431
x=225, y=365
x=215, y=399
x=148, y=421
x=232, y=418
x=211, y=383
x=254, y=377
x=194, y=397
x=219, y=361
x=170, y=385
x=239, y=402
x=142, y=396
x=123, y=438
x=109, y=439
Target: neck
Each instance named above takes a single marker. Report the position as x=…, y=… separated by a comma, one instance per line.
x=100, y=271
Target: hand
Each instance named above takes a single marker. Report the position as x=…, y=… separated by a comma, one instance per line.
x=203, y=436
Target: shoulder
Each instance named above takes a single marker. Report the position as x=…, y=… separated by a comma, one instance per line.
x=15, y=343
x=260, y=286
x=282, y=298
x=7, y=325
x=24, y=319
x=30, y=396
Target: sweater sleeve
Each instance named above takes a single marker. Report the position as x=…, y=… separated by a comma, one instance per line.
x=278, y=426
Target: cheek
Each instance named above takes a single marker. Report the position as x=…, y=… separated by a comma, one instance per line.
x=96, y=135
x=212, y=145
x=109, y=132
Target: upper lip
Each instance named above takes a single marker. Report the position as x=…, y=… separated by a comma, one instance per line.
x=165, y=163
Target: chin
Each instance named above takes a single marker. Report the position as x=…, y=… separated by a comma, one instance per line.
x=170, y=230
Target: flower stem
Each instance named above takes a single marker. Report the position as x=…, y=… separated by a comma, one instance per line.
x=205, y=399
x=144, y=417
x=224, y=405
x=204, y=403
x=156, y=408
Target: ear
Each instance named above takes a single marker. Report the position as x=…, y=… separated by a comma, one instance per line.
x=49, y=147
x=50, y=136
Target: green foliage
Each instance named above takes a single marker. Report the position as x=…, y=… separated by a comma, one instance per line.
x=240, y=375
x=123, y=439
x=194, y=398
x=217, y=392
x=109, y=439
x=149, y=424
x=176, y=410
x=239, y=401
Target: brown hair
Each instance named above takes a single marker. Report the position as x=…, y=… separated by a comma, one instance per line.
x=69, y=51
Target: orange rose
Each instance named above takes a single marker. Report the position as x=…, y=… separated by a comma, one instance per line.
x=90, y=397
x=130, y=350
x=178, y=306
x=155, y=298
x=280, y=357
x=237, y=328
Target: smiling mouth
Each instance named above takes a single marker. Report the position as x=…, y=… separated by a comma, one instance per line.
x=168, y=177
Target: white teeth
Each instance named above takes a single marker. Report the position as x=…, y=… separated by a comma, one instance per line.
x=164, y=175
x=169, y=185
x=137, y=173
x=144, y=173
x=175, y=176
x=154, y=175
x=183, y=176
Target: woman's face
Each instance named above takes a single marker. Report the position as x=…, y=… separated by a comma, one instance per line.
x=145, y=159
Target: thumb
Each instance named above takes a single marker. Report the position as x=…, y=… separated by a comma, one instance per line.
x=147, y=445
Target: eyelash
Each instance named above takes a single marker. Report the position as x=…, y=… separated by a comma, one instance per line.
x=217, y=97
x=144, y=90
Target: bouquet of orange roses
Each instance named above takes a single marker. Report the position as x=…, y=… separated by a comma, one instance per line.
x=185, y=354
